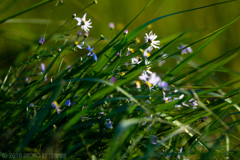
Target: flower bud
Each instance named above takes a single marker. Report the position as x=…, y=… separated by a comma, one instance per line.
x=111, y=25
x=102, y=37
x=41, y=41
x=79, y=33
x=86, y=34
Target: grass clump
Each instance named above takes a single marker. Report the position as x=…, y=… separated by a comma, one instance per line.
x=118, y=100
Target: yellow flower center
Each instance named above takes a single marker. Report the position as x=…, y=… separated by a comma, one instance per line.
x=131, y=50
x=137, y=40
x=150, y=85
x=138, y=84
x=148, y=54
x=76, y=43
x=123, y=73
x=55, y=102
x=83, y=23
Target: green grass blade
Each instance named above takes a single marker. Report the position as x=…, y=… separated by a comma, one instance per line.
x=185, y=61
x=26, y=10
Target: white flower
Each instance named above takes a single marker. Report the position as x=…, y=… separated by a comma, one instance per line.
x=154, y=79
x=151, y=39
x=130, y=50
x=148, y=67
x=181, y=96
x=193, y=103
x=147, y=51
x=85, y=25
x=166, y=99
x=80, y=45
x=138, y=84
x=144, y=76
x=55, y=105
x=135, y=61
x=184, y=104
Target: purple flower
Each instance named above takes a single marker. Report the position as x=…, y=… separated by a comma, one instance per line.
x=41, y=41
x=79, y=33
x=125, y=32
x=154, y=140
x=45, y=78
x=113, y=79
x=68, y=103
x=163, y=85
x=86, y=34
x=204, y=118
x=111, y=25
x=117, y=54
x=27, y=79
x=31, y=105
x=42, y=67
x=186, y=50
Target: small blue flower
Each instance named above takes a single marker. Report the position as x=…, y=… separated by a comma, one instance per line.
x=186, y=50
x=109, y=124
x=55, y=105
x=163, y=85
x=68, y=102
x=94, y=57
x=41, y=41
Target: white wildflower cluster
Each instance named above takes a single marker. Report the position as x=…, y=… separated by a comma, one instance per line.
x=190, y=103
x=85, y=25
x=152, y=80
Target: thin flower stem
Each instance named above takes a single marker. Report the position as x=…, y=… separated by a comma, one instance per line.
x=50, y=14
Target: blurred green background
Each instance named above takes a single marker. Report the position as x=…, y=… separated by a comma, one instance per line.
x=20, y=35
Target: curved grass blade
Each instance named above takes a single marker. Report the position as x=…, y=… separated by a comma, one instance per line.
x=182, y=77
x=26, y=10
x=185, y=61
x=105, y=59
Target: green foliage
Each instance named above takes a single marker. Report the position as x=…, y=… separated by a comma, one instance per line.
x=195, y=116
